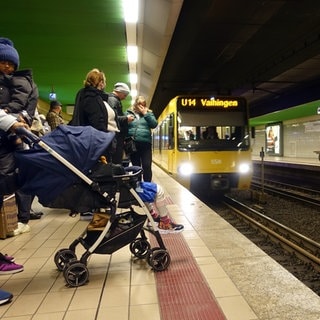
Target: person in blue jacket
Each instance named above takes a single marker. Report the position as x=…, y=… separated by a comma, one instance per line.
x=140, y=130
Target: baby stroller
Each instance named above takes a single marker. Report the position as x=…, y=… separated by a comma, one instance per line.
x=63, y=171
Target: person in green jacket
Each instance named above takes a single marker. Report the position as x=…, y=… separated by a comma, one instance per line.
x=140, y=130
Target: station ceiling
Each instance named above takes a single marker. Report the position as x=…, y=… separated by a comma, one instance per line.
x=265, y=50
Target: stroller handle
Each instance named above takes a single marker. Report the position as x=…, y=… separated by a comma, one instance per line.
x=25, y=133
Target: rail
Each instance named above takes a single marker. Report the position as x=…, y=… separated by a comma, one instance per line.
x=293, y=242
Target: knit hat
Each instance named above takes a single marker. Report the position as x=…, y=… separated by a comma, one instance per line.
x=8, y=52
x=121, y=87
x=55, y=103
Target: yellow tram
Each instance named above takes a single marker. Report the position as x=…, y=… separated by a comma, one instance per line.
x=204, y=142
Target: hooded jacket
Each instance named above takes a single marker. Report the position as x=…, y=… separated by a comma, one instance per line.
x=19, y=93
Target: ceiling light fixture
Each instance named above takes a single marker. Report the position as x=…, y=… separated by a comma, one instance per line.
x=131, y=10
x=132, y=52
x=131, y=16
x=133, y=78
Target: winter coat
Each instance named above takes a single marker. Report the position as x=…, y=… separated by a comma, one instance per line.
x=115, y=102
x=140, y=127
x=19, y=93
x=90, y=109
x=19, y=96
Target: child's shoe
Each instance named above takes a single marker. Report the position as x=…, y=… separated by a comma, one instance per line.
x=168, y=226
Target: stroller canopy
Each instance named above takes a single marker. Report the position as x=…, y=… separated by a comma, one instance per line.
x=46, y=177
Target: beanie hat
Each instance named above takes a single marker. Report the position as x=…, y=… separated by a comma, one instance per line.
x=8, y=52
x=121, y=87
x=55, y=103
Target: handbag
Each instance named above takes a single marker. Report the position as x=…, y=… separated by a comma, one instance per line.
x=129, y=145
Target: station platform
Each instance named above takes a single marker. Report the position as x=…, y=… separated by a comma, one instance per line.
x=314, y=162
x=215, y=273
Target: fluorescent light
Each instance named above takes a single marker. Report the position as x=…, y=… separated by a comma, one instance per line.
x=133, y=78
x=132, y=52
x=131, y=10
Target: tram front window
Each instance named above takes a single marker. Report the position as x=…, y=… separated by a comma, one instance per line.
x=206, y=138
x=206, y=130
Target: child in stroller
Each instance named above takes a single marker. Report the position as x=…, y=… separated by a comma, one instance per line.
x=155, y=200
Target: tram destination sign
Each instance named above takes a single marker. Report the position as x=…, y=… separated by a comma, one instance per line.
x=210, y=102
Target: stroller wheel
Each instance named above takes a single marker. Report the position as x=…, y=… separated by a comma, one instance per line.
x=76, y=274
x=140, y=247
x=62, y=258
x=149, y=255
x=158, y=259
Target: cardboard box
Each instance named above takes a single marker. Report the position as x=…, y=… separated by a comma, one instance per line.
x=8, y=216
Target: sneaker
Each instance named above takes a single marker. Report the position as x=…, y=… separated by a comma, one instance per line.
x=6, y=257
x=22, y=228
x=169, y=227
x=5, y=297
x=7, y=267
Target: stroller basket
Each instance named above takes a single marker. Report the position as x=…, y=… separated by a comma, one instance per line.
x=126, y=227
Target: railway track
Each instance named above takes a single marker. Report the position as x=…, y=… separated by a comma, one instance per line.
x=304, y=195
x=290, y=247
x=293, y=242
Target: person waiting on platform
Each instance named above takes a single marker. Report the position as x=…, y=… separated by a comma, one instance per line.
x=54, y=115
x=8, y=124
x=119, y=93
x=140, y=130
x=19, y=97
x=92, y=108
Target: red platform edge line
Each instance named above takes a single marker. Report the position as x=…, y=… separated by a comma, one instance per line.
x=183, y=292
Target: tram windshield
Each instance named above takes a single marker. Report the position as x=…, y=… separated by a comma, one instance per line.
x=206, y=131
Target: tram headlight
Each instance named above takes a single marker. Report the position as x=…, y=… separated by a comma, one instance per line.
x=244, y=168
x=185, y=169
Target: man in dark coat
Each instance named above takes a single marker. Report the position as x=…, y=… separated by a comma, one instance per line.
x=119, y=93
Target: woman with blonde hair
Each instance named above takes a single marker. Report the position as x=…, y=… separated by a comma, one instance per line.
x=140, y=130
x=92, y=109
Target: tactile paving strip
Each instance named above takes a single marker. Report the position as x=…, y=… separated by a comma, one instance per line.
x=183, y=292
